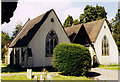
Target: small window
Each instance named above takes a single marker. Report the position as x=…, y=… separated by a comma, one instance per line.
x=51, y=42
x=52, y=20
x=105, y=46
x=104, y=27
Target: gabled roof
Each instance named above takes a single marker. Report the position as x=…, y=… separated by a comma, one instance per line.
x=73, y=31
x=92, y=29
x=29, y=30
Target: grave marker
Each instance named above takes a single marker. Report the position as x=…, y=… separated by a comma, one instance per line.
x=29, y=73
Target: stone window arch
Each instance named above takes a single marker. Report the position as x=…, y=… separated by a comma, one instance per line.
x=51, y=42
x=105, y=46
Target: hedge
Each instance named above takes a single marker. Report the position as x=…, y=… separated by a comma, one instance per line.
x=71, y=59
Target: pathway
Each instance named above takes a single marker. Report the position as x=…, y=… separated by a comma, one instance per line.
x=105, y=74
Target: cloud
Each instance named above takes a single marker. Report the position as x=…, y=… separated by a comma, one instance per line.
x=74, y=12
x=26, y=9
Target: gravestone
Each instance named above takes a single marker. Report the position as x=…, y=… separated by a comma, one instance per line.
x=41, y=78
x=49, y=77
x=29, y=73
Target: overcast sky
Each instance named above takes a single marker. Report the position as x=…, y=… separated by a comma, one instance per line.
x=29, y=9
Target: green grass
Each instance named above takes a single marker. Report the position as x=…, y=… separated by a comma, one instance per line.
x=3, y=65
x=14, y=77
x=112, y=67
x=59, y=77
x=13, y=70
x=6, y=69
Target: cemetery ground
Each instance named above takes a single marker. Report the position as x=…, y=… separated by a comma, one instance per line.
x=15, y=73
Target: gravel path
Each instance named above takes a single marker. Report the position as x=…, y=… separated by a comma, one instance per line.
x=106, y=74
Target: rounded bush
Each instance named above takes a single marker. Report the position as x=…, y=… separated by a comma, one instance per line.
x=71, y=59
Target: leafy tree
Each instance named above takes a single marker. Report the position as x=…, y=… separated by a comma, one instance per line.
x=5, y=38
x=116, y=19
x=93, y=13
x=101, y=13
x=68, y=21
x=116, y=34
x=7, y=10
x=116, y=29
x=17, y=29
x=76, y=21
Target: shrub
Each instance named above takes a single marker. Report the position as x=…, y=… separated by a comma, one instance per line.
x=71, y=59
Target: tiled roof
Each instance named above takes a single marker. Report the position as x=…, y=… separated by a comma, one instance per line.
x=92, y=29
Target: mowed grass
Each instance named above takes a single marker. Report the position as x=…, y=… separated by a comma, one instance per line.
x=13, y=70
x=6, y=69
x=3, y=65
x=111, y=67
x=59, y=77
x=15, y=77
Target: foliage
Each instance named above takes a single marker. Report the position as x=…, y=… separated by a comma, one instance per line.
x=116, y=34
x=7, y=11
x=68, y=21
x=4, y=50
x=5, y=41
x=5, y=38
x=116, y=28
x=17, y=29
x=76, y=21
x=93, y=13
x=71, y=59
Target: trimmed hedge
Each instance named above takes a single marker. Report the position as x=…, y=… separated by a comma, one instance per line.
x=71, y=59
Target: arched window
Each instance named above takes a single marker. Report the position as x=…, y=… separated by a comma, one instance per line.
x=105, y=46
x=51, y=42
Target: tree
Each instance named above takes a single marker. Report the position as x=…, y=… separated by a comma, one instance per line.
x=17, y=29
x=76, y=21
x=68, y=21
x=5, y=38
x=92, y=14
x=7, y=10
x=116, y=18
x=116, y=29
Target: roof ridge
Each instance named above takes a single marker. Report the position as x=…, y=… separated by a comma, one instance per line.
x=95, y=21
x=42, y=14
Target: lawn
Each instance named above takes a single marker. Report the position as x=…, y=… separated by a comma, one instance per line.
x=112, y=67
x=59, y=77
x=6, y=69
x=13, y=70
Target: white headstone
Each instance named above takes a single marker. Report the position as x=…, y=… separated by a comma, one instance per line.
x=41, y=78
x=29, y=73
x=49, y=77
